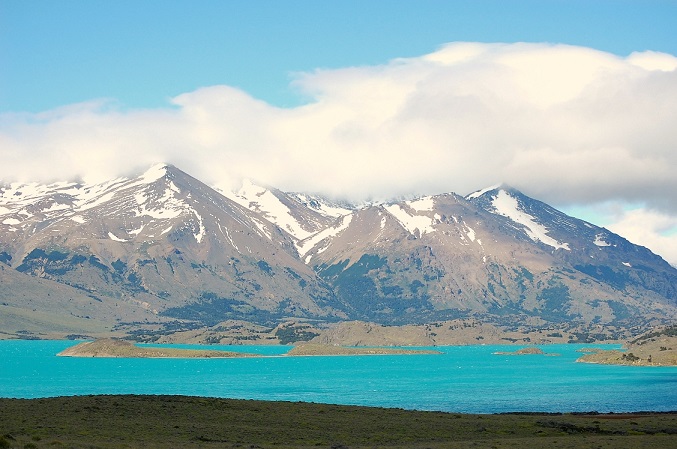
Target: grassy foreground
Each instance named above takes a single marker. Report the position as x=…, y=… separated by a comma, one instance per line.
x=191, y=422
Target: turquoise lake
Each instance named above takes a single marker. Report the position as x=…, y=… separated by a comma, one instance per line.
x=467, y=379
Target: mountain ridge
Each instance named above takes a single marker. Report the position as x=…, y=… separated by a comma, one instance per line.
x=185, y=255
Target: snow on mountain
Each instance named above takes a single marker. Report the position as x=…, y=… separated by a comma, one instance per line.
x=72, y=201
x=599, y=240
x=270, y=205
x=411, y=217
x=324, y=206
x=159, y=201
x=481, y=192
x=162, y=239
x=502, y=202
x=324, y=236
x=168, y=243
x=299, y=215
x=508, y=206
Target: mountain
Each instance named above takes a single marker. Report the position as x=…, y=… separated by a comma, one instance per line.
x=164, y=242
x=496, y=254
x=300, y=215
x=163, y=252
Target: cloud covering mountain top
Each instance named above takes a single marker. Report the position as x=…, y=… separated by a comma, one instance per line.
x=571, y=125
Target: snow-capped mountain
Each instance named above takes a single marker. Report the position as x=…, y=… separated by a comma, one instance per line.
x=163, y=240
x=163, y=246
x=298, y=214
x=497, y=252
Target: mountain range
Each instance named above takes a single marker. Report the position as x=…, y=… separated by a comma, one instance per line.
x=163, y=251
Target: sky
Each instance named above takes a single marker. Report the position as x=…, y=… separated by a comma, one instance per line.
x=573, y=102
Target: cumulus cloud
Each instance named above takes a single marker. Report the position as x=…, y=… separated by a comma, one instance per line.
x=568, y=125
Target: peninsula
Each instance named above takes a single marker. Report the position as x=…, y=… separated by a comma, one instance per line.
x=657, y=348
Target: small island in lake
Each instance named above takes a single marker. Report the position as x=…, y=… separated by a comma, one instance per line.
x=109, y=347
x=531, y=350
x=322, y=349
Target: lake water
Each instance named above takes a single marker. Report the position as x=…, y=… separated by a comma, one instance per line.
x=467, y=379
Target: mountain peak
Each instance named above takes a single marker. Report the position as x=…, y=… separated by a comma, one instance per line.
x=155, y=172
x=483, y=191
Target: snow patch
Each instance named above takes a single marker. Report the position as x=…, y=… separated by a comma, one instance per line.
x=225, y=232
x=91, y=203
x=56, y=207
x=154, y=173
x=422, y=204
x=173, y=187
x=627, y=264
x=114, y=238
x=201, y=231
x=265, y=202
x=508, y=206
x=482, y=192
x=599, y=240
x=411, y=223
x=321, y=206
x=262, y=227
x=11, y=221
x=78, y=219
x=136, y=232
x=470, y=232
x=306, y=245
x=172, y=207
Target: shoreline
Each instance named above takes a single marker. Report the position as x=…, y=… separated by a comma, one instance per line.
x=584, y=413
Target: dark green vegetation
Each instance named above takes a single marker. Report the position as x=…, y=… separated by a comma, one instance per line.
x=290, y=334
x=370, y=289
x=190, y=422
x=669, y=331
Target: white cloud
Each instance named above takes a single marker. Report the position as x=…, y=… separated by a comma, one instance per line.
x=636, y=222
x=649, y=228
x=568, y=125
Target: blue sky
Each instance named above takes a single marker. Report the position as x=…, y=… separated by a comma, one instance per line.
x=141, y=53
x=572, y=101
